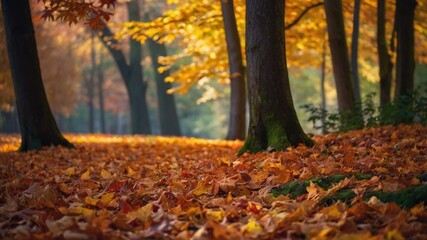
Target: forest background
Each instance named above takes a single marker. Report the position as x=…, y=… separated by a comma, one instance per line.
x=78, y=69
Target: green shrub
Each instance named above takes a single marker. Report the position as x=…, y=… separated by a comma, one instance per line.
x=405, y=109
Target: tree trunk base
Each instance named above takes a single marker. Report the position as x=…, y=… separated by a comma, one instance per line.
x=35, y=143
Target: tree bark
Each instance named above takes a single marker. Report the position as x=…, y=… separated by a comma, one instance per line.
x=355, y=50
x=322, y=87
x=100, y=84
x=273, y=121
x=131, y=74
x=38, y=126
x=339, y=52
x=237, y=118
x=384, y=57
x=169, y=121
x=91, y=86
x=405, y=63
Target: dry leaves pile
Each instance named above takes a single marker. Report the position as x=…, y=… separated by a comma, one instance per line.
x=140, y=187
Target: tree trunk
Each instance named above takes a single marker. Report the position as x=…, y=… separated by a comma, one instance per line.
x=355, y=50
x=384, y=57
x=100, y=72
x=405, y=63
x=10, y=123
x=322, y=87
x=237, y=119
x=273, y=121
x=91, y=86
x=339, y=52
x=131, y=74
x=139, y=109
x=169, y=121
x=38, y=127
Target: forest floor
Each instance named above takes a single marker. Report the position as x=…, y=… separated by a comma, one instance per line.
x=160, y=187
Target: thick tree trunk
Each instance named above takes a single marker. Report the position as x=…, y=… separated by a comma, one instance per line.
x=339, y=52
x=100, y=84
x=237, y=119
x=169, y=121
x=38, y=127
x=355, y=50
x=384, y=57
x=405, y=63
x=273, y=121
x=131, y=74
x=139, y=108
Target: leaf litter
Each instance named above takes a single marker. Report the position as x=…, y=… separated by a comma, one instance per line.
x=134, y=187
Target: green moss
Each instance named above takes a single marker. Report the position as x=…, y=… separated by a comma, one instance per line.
x=344, y=195
x=298, y=188
x=276, y=136
x=294, y=189
x=252, y=145
x=405, y=198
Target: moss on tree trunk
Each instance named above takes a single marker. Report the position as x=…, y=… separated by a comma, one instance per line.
x=273, y=121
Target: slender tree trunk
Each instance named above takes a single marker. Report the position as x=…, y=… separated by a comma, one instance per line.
x=322, y=87
x=91, y=86
x=237, y=119
x=273, y=121
x=355, y=50
x=384, y=57
x=100, y=72
x=38, y=127
x=10, y=122
x=405, y=63
x=169, y=121
x=339, y=52
x=131, y=74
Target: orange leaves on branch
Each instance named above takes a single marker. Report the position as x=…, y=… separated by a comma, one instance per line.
x=74, y=11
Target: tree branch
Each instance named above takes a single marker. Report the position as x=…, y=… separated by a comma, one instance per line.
x=117, y=54
x=302, y=14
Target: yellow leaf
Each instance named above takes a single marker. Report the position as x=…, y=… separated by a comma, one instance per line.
x=333, y=212
x=252, y=229
x=215, y=215
x=70, y=171
x=226, y=161
x=80, y=211
x=202, y=188
x=85, y=175
x=105, y=174
x=91, y=201
x=142, y=213
x=106, y=198
x=130, y=171
x=394, y=235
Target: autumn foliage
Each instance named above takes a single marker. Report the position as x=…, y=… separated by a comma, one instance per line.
x=139, y=187
x=74, y=11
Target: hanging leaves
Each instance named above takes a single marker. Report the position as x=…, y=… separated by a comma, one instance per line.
x=74, y=11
